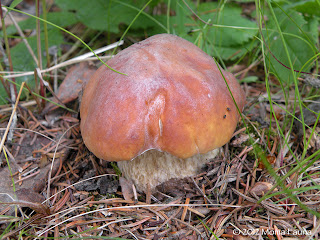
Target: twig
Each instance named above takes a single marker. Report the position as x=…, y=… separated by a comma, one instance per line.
x=66, y=63
x=14, y=114
x=27, y=177
x=47, y=85
x=168, y=220
x=10, y=120
x=23, y=37
x=199, y=189
x=185, y=209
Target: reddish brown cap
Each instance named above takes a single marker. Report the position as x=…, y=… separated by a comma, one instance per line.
x=173, y=99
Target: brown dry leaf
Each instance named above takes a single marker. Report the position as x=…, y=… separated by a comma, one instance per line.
x=36, y=206
x=7, y=194
x=260, y=188
x=27, y=191
x=71, y=86
x=126, y=188
x=241, y=139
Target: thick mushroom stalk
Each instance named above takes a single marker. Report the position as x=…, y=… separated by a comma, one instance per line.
x=173, y=105
x=153, y=167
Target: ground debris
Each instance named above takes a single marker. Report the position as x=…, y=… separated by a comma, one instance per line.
x=87, y=197
x=72, y=85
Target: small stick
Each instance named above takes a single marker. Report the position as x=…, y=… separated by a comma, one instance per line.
x=23, y=37
x=184, y=213
x=27, y=177
x=11, y=118
x=69, y=62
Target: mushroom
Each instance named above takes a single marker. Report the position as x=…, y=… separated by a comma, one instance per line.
x=166, y=117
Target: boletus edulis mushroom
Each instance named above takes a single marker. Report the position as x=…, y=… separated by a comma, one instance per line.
x=166, y=117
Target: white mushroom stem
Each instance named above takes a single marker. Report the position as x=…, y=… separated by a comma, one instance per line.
x=153, y=167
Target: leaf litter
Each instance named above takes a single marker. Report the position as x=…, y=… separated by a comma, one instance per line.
x=86, y=198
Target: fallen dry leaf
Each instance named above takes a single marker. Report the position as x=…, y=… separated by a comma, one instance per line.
x=72, y=84
x=126, y=188
x=242, y=138
x=260, y=188
x=26, y=191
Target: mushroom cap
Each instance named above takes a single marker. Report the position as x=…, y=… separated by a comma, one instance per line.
x=173, y=98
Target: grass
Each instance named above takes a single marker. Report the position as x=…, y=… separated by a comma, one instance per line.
x=222, y=190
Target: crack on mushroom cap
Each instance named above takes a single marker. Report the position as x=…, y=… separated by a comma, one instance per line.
x=152, y=122
x=160, y=127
